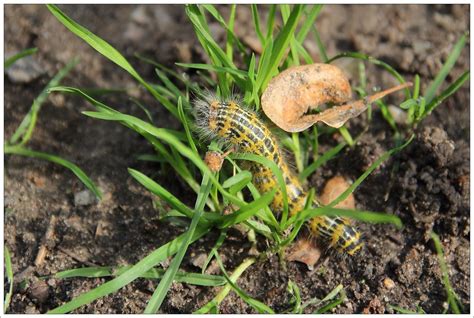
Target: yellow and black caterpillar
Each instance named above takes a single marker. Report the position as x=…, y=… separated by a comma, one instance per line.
x=230, y=123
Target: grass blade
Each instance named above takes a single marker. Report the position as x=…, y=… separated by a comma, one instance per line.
x=243, y=176
x=364, y=216
x=447, y=66
x=214, y=303
x=27, y=125
x=165, y=135
x=309, y=21
x=218, y=69
x=185, y=122
x=374, y=166
x=158, y=190
x=322, y=50
x=280, y=46
x=452, y=297
x=154, y=273
x=328, y=155
x=108, y=51
x=447, y=92
x=9, y=271
x=9, y=61
x=276, y=172
x=133, y=273
x=256, y=22
x=254, y=303
x=374, y=61
x=17, y=150
x=247, y=211
x=160, y=293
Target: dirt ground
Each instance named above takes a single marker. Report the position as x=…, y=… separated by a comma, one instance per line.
x=430, y=191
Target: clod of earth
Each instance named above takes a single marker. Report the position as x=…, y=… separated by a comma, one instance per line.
x=334, y=188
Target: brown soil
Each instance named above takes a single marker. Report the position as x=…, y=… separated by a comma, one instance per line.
x=430, y=191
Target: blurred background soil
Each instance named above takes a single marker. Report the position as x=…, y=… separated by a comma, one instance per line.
x=429, y=192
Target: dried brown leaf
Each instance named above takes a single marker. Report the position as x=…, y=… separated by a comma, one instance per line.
x=295, y=91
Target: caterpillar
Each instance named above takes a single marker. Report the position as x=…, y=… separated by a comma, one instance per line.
x=230, y=123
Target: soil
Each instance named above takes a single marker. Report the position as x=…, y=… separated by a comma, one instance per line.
x=429, y=191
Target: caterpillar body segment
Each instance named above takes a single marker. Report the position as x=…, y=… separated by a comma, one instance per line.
x=240, y=127
x=337, y=233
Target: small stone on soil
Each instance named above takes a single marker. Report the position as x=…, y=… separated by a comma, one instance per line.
x=84, y=197
x=24, y=70
x=388, y=283
x=40, y=291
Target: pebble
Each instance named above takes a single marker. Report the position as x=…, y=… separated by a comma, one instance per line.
x=24, y=70
x=199, y=260
x=388, y=283
x=84, y=197
x=40, y=291
x=398, y=114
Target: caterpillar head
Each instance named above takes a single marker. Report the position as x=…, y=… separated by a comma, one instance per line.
x=205, y=113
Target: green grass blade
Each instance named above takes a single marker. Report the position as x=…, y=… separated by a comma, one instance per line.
x=447, y=66
x=142, y=107
x=108, y=51
x=416, y=86
x=402, y=310
x=158, y=190
x=231, y=38
x=154, y=273
x=243, y=176
x=280, y=46
x=374, y=166
x=104, y=109
x=218, y=69
x=215, y=53
x=309, y=21
x=446, y=93
x=160, y=293
x=294, y=60
x=247, y=211
x=322, y=50
x=254, y=303
x=318, y=302
x=165, y=135
x=294, y=291
x=364, y=216
x=185, y=122
x=256, y=23
x=76, y=91
x=302, y=51
x=133, y=273
x=219, y=242
x=329, y=306
x=328, y=155
x=212, y=305
x=89, y=272
x=16, y=150
x=9, y=271
x=270, y=22
x=374, y=61
x=27, y=125
x=452, y=297
x=9, y=61
x=229, y=45
x=276, y=172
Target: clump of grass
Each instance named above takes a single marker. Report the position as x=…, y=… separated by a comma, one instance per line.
x=182, y=151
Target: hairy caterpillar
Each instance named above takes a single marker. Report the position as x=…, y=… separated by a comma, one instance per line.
x=230, y=123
